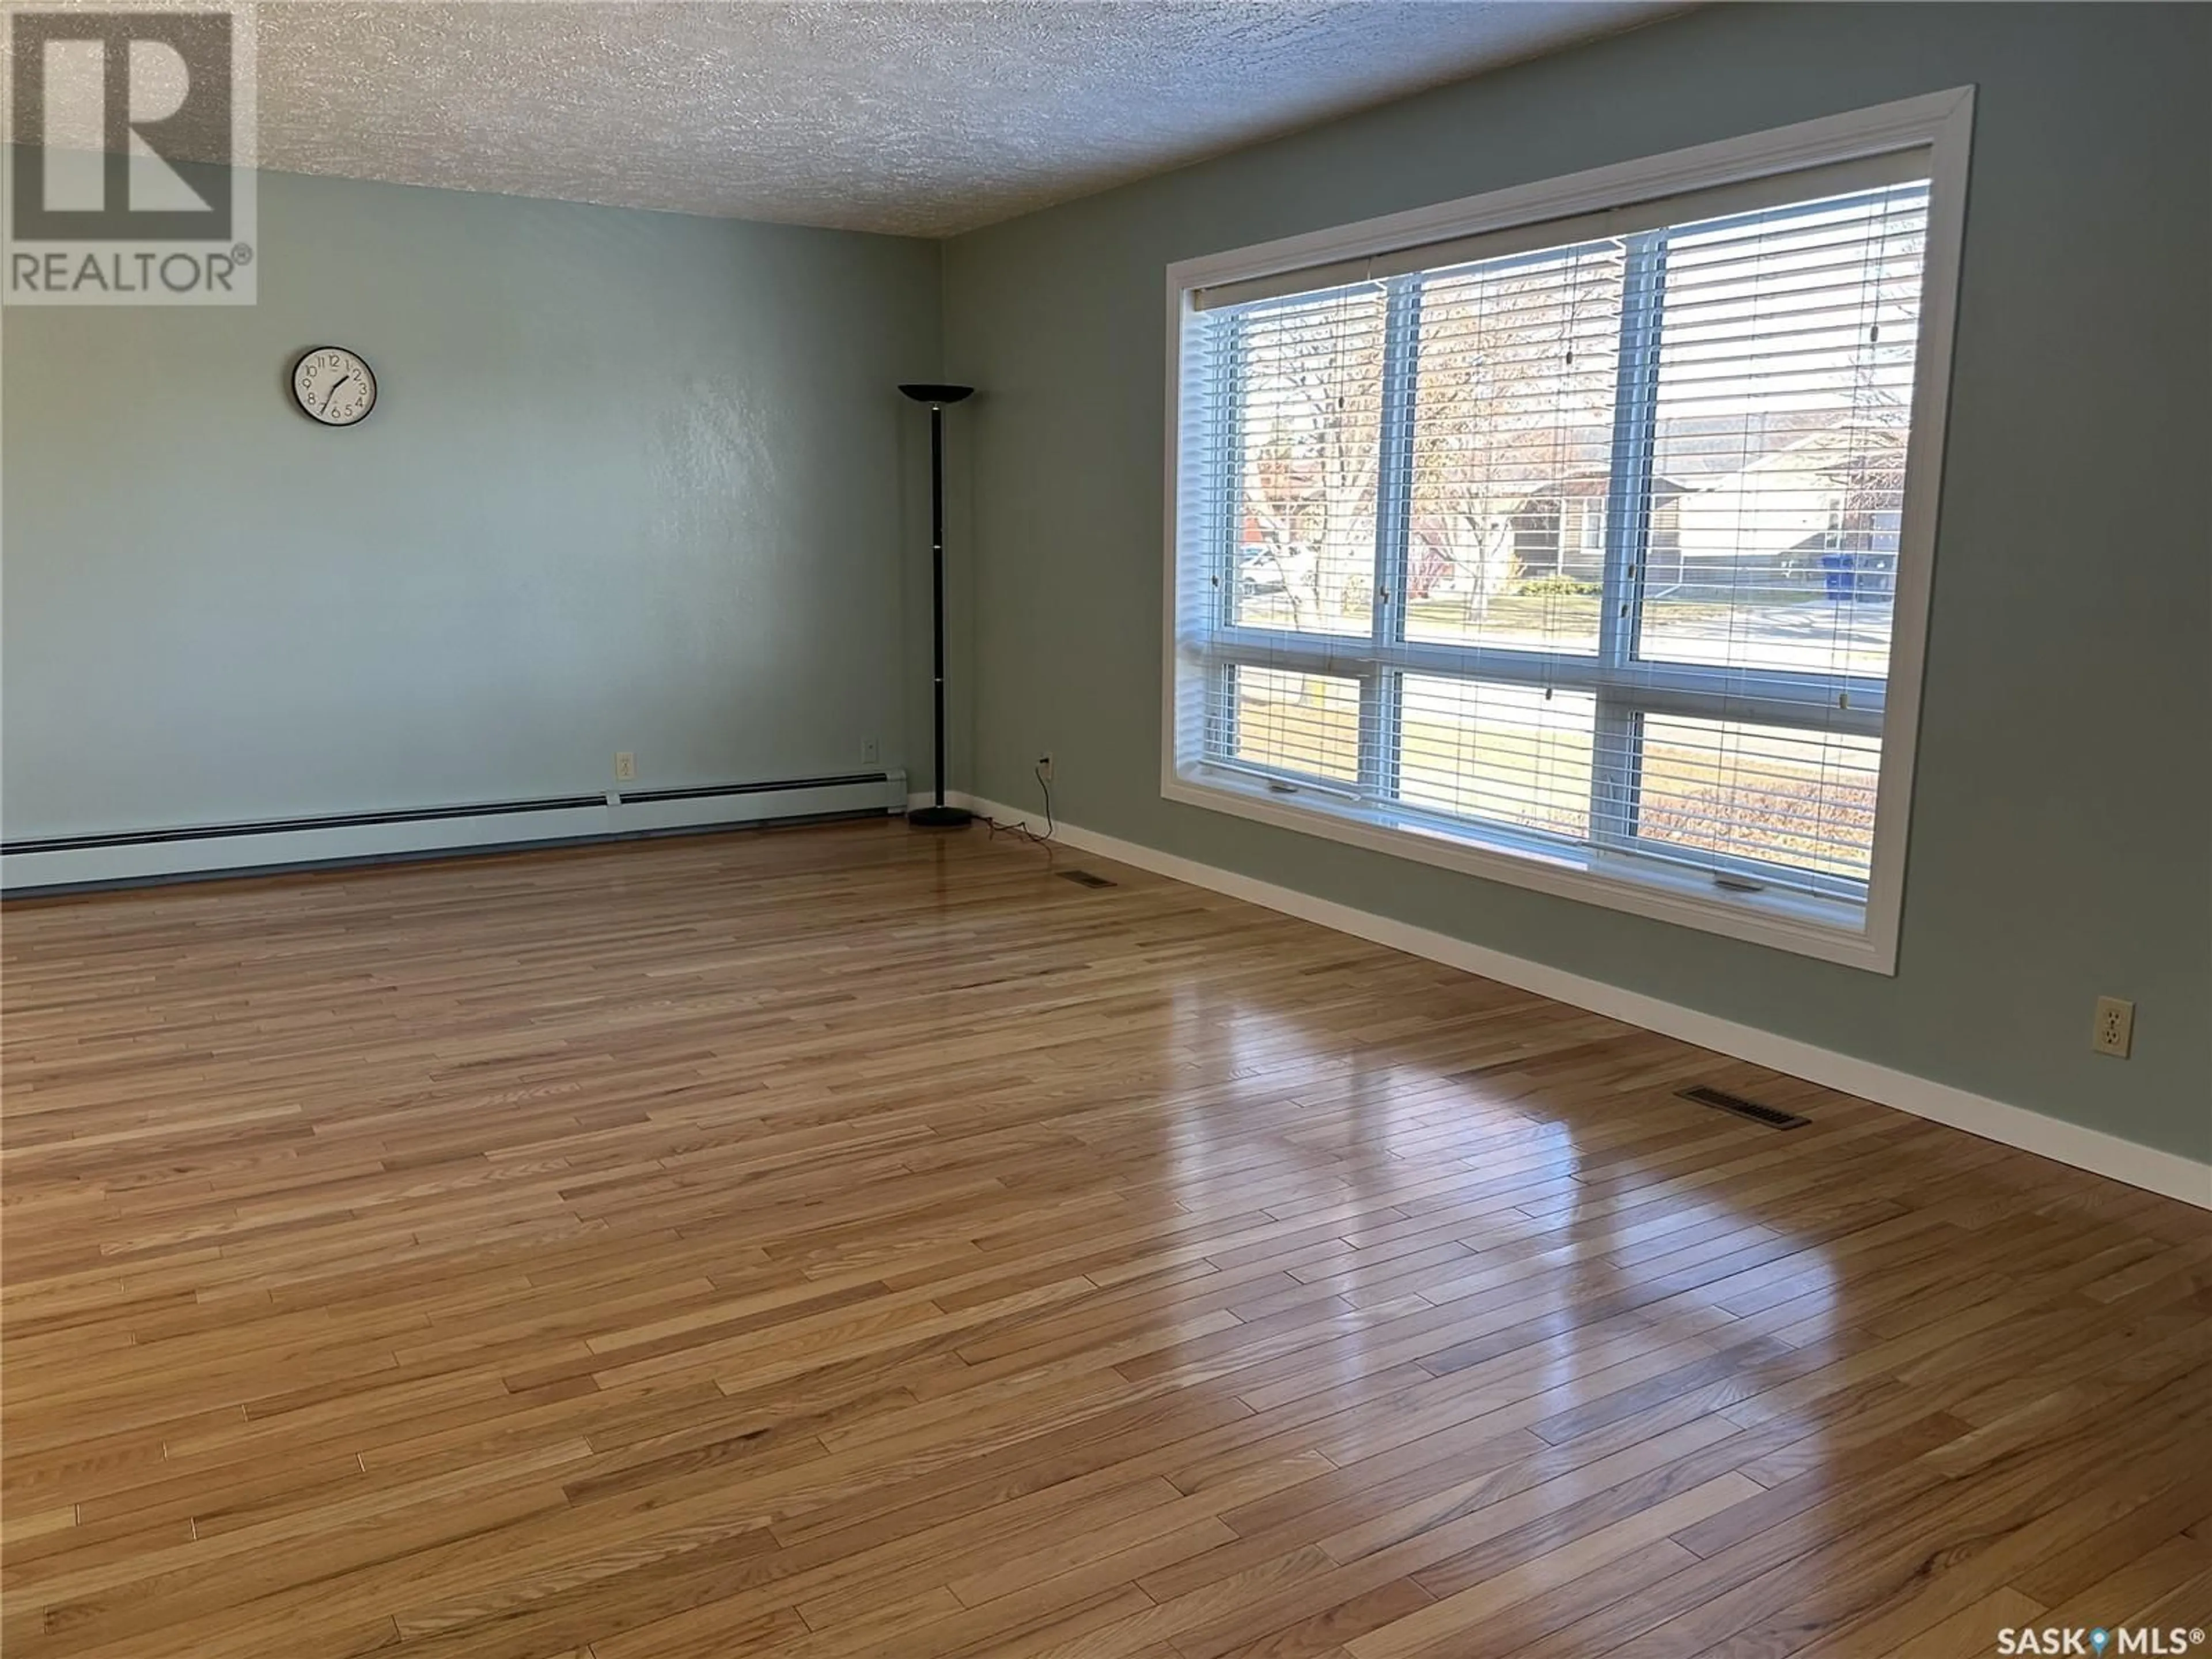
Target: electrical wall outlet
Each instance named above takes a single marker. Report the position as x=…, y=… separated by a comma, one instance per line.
x=625, y=767
x=1044, y=766
x=2114, y=1032
x=871, y=751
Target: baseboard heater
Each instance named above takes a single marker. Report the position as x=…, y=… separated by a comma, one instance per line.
x=115, y=857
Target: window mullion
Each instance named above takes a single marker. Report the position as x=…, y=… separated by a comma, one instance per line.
x=1615, y=761
x=1381, y=687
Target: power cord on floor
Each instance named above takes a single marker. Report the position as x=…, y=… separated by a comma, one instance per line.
x=1021, y=826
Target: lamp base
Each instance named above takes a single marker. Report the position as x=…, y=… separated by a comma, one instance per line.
x=940, y=817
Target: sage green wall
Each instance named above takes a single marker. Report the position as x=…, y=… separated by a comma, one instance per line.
x=636, y=481
x=2059, y=845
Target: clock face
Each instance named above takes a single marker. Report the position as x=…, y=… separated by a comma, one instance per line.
x=334, y=385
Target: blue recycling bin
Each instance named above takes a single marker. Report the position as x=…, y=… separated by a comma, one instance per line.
x=1838, y=573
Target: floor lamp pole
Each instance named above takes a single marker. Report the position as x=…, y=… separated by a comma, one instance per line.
x=940, y=816
x=937, y=573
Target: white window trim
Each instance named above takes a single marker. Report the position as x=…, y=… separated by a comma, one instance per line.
x=1940, y=123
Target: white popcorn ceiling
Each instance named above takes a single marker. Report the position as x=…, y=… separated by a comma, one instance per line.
x=925, y=117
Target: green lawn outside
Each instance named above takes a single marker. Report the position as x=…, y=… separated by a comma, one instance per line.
x=1564, y=616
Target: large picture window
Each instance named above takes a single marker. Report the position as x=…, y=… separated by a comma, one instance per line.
x=1586, y=548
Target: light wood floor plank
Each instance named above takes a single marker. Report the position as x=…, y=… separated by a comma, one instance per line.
x=851, y=1242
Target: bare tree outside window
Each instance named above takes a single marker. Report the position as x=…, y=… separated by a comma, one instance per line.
x=1513, y=392
x=1312, y=407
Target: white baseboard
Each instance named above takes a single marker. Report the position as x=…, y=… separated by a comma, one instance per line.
x=156, y=858
x=2166, y=1173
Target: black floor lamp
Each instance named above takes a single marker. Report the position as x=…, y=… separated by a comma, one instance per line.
x=938, y=816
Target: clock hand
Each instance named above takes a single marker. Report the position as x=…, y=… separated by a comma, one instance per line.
x=333, y=392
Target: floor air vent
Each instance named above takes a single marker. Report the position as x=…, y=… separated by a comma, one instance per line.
x=1769, y=1115
x=1083, y=878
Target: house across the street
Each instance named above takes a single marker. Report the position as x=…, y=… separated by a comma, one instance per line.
x=1779, y=507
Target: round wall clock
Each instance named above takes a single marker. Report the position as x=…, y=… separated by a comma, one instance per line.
x=334, y=387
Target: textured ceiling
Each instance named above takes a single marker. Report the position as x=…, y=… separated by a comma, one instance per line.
x=927, y=117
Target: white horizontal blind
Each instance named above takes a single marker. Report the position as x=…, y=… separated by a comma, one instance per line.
x=1306, y=384
x=1583, y=547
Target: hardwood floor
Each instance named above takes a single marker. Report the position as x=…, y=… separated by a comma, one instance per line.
x=853, y=1241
